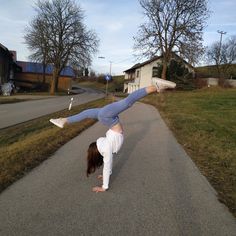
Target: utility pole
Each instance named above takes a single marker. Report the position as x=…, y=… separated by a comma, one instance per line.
x=218, y=66
x=221, y=35
x=110, y=67
x=107, y=77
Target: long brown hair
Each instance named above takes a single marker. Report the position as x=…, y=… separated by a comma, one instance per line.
x=94, y=159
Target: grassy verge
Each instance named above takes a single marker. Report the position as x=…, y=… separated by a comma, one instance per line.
x=29, y=96
x=22, y=97
x=25, y=145
x=93, y=85
x=211, y=71
x=115, y=85
x=11, y=100
x=204, y=122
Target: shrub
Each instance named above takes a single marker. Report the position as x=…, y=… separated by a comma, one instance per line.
x=178, y=73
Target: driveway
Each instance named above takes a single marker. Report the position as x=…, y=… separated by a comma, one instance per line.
x=155, y=189
x=11, y=114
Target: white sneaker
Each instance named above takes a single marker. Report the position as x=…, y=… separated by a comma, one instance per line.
x=58, y=122
x=162, y=84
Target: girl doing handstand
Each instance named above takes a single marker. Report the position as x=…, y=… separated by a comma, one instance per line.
x=101, y=151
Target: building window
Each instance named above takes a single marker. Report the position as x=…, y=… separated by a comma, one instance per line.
x=155, y=71
x=137, y=73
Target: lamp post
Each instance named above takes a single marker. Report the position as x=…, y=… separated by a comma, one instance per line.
x=107, y=77
x=110, y=67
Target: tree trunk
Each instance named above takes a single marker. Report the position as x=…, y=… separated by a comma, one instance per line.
x=44, y=73
x=218, y=70
x=52, y=88
x=164, y=70
x=54, y=81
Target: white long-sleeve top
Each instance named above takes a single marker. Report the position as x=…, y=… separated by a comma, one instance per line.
x=107, y=146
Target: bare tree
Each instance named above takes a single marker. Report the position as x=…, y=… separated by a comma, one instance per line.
x=37, y=41
x=66, y=39
x=222, y=56
x=172, y=26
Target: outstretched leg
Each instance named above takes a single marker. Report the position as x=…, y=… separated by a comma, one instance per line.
x=90, y=113
x=108, y=115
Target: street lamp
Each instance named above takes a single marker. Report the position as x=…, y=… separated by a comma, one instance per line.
x=107, y=77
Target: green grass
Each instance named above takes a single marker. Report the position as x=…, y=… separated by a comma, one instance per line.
x=26, y=145
x=117, y=84
x=94, y=85
x=204, y=122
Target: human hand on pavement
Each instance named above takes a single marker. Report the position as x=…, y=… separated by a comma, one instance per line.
x=98, y=189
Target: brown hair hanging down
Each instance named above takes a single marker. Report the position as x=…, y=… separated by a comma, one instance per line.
x=94, y=159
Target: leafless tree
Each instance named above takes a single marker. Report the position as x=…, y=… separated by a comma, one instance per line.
x=66, y=40
x=222, y=56
x=172, y=26
x=37, y=41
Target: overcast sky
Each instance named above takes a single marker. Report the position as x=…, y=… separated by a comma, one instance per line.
x=115, y=22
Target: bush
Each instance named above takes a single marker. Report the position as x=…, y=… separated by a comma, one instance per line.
x=178, y=73
x=118, y=83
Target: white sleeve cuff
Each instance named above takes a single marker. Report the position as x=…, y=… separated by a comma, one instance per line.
x=104, y=187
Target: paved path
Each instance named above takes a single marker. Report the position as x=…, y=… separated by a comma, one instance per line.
x=155, y=189
x=11, y=114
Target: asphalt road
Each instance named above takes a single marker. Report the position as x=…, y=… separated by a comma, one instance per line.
x=155, y=189
x=11, y=114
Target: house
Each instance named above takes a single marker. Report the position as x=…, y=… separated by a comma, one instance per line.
x=31, y=76
x=140, y=75
x=8, y=66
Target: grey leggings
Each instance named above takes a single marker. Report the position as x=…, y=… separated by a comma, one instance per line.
x=108, y=115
